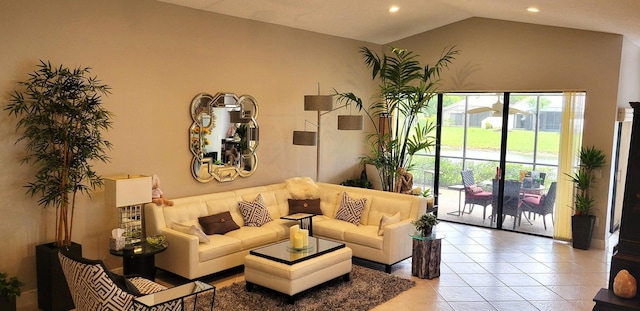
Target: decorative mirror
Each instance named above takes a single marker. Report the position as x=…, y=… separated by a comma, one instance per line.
x=223, y=137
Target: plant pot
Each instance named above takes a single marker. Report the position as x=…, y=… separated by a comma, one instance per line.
x=582, y=230
x=53, y=291
x=426, y=231
x=8, y=303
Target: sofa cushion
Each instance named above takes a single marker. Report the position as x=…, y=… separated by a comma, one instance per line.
x=255, y=214
x=218, y=224
x=332, y=228
x=220, y=246
x=350, y=210
x=365, y=236
x=252, y=237
x=191, y=229
x=305, y=206
x=387, y=206
x=387, y=220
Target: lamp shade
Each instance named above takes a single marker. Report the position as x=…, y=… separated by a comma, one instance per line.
x=304, y=138
x=127, y=190
x=318, y=102
x=350, y=122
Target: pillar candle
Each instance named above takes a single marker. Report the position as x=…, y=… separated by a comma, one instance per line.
x=297, y=240
x=305, y=237
x=292, y=233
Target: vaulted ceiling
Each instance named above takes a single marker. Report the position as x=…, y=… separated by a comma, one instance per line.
x=371, y=21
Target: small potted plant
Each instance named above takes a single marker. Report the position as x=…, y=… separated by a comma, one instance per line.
x=425, y=223
x=9, y=290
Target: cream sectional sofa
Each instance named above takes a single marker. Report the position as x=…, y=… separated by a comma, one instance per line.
x=191, y=258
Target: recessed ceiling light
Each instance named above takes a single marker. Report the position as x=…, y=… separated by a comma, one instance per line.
x=533, y=9
x=394, y=9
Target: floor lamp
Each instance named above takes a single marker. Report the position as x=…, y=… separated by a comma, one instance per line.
x=320, y=103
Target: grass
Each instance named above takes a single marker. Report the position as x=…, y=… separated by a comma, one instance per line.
x=489, y=139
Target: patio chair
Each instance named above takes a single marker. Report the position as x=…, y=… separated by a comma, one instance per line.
x=511, y=204
x=473, y=194
x=542, y=205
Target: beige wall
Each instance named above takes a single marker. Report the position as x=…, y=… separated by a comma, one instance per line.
x=157, y=57
x=507, y=56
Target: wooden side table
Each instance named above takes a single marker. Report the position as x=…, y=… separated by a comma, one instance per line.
x=139, y=260
x=425, y=262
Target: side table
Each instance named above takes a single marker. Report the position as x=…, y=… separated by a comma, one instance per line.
x=139, y=260
x=302, y=217
x=425, y=262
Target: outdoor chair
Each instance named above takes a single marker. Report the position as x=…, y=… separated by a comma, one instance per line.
x=542, y=205
x=511, y=204
x=474, y=194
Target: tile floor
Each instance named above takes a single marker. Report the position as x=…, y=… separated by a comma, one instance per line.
x=486, y=269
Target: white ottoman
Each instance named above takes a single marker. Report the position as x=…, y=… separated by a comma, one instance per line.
x=293, y=279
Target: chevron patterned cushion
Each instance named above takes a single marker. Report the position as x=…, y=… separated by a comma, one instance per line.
x=350, y=210
x=255, y=214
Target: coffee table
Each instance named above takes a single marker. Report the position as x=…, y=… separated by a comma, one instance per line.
x=290, y=272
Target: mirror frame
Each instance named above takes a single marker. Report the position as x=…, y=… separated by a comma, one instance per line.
x=241, y=137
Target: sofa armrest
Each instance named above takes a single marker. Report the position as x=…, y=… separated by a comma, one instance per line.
x=182, y=254
x=396, y=241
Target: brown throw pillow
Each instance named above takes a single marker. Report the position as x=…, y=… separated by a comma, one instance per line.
x=305, y=206
x=218, y=223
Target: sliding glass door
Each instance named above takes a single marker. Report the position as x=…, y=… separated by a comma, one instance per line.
x=498, y=159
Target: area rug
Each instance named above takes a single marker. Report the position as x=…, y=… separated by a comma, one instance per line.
x=367, y=289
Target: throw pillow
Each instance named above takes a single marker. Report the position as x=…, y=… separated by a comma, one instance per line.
x=218, y=223
x=302, y=188
x=350, y=210
x=191, y=229
x=475, y=189
x=305, y=206
x=387, y=220
x=255, y=214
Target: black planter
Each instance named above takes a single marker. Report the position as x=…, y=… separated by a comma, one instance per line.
x=53, y=292
x=8, y=303
x=582, y=230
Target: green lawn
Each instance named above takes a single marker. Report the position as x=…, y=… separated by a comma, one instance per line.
x=518, y=140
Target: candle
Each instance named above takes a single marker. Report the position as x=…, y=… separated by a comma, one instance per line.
x=292, y=233
x=297, y=240
x=305, y=237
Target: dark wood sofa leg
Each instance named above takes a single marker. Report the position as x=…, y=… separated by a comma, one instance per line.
x=387, y=268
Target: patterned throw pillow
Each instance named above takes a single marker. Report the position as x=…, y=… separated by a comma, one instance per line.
x=350, y=210
x=255, y=214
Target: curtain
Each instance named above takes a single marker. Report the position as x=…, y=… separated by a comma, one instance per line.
x=570, y=144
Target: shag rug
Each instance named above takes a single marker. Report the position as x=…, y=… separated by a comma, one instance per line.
x=367, y=289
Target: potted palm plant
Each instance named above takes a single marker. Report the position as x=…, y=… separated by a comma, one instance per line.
x=61, y=119
x=582, y=222
x=9, y=290
x=405, y=90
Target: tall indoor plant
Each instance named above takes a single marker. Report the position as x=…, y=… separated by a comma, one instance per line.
x=61, y=118
x=405, y=90
x=582, y=222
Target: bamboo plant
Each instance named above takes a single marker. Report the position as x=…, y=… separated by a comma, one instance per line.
x=405, y=91
x=61, y=119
